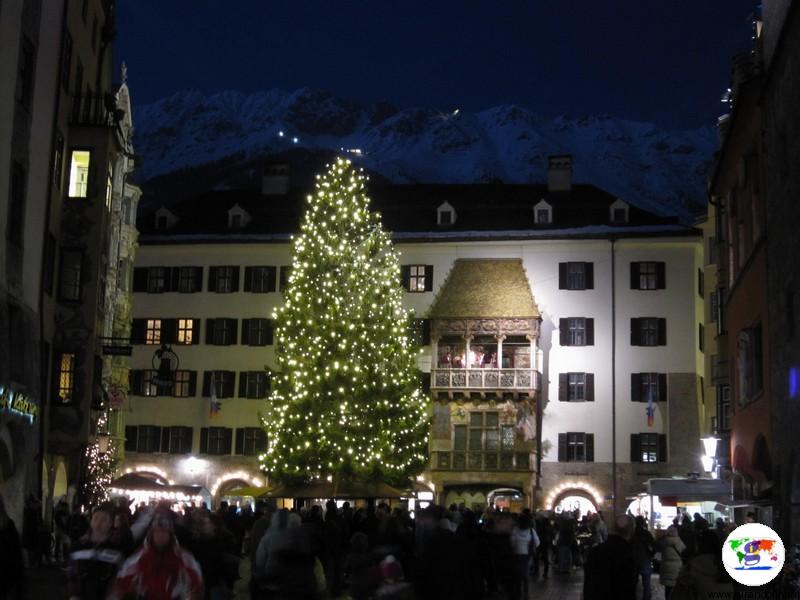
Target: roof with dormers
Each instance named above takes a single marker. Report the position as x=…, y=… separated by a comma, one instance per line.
x=483, y=211
x=479, y=288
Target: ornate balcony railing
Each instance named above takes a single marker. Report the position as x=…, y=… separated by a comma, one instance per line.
x=486, y=379
x=481, y=461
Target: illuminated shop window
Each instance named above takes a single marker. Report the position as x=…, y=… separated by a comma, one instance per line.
x=79, y=163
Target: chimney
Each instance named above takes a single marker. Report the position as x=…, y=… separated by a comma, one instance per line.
x=275, y=179
x=559, y=173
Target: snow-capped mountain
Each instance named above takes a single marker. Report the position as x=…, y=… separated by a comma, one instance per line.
x=658, y=170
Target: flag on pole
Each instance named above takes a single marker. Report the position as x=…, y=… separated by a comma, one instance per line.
x=651, y=409
x=215, y=406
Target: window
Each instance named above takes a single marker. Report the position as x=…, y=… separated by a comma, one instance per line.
x=576, y=447
x=216, y=440
x=66, y=377
x=542, y=216
x=157, y=280
x=223, y=280
x=619, y=215
x=419, y=332
x=58, y=159
x=253, y=384
x=153, y=332
x=576, y=276
x=221, y=332
x=223, y=383
x=484, y=431
x=712, y=251
x=259, y=280
x=648, y=447
x=576, y=387
x=179, y=440
x=161, y=222
x=256, y=332
x=79, y=164
x=148, y=438
x=648, y=276
x=749, y=364
x=417, y=278
x=648, y=331
x=283, y=277
x=250, y=441
x=647, y=386
x=25, y=72
x=190, y=279
x=49, y=263
x=713, y=306
x=445, y=217
x=146, y=385
x=236, y=221
x=576, y=331
x=701, y=342
x=185, y=382
x=701, y=287
x=186, y=331
x=66, y=61
x=15, y=227
x=69, y=285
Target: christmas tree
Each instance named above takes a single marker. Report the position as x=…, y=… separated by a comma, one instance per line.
x=345, y=402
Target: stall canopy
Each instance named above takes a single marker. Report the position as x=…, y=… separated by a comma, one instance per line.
x=333, y=489
x=249, y=492
x=141, y=485
x=692, y=490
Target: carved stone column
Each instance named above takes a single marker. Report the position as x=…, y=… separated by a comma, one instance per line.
x=533, y=340
x=467, y=340
x=500, y=339
x=434, y=352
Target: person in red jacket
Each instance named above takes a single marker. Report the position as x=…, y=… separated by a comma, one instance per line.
x=161, y=570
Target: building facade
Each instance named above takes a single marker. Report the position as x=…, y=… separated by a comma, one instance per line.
x=559, y=328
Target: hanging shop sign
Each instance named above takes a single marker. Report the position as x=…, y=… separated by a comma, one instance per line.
x=18, y=403
x=165, y=363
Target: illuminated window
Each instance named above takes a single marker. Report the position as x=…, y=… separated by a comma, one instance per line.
x=79, y=163
x=186, y=329
x=66, y=378
x=148, y=387
x=648, y=443
x=153, y=331
x=417, y=279
x=183, y=384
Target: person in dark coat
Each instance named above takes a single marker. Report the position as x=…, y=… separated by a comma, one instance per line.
x=544, y=529
x=610, y=572
x=95, y=558
x=644, y=548
x=476, y=554
x=440, y=571
x=12, y=566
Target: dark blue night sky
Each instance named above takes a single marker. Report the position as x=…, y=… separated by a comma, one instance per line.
x=662, y=61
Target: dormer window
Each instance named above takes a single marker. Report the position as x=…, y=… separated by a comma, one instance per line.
x=237, y=217
x=165, y=219
x=161, y=222
x=445, y=215
x=543, y=213
x=619, y=212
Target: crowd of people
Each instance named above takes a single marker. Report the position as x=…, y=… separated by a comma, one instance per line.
x=316, y=552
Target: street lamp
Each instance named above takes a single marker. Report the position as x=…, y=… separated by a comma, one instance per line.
x=710, y=459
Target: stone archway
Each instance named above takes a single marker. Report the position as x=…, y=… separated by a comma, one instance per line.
x=228, y=485
x=572, y=499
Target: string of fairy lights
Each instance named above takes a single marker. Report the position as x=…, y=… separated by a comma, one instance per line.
x=346, y=400
x=100, y=466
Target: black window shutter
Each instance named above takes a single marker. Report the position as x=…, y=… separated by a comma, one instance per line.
x=405, y=276
x=209, y=331
x=248, y=279
x=589, y=447
x=165, y=439
x=204, y=440
x=269, y=332
x=662, y=447
x=245, y=332
x=195, y=331
x=562, y=276
x=187, y=440
x=212, y=279
x=136, y=381
x=662, y=387
x=192, y=384
x=230, y=384
x=239, y=440
x=563, y=333
x=130, y=438
x=169, y=331
x=426, y=332
x=235, y=282
x=662, y=332
x=425, y=383
x=175, y=275
x=428, y=278
x=243, y=384
x=140, y=279
x=635, y=332
x=636, y=449
x=198, y=278
x=589, y=275
x=661, y=283
x=635, y=276
x=589, y=332
x=636, y=387
x=562, y=447
x=589, y=387
x=234, y=327
x=563, y=384
x=138, y=331
x=228, y=440
x=207, y=384
x=271, y=275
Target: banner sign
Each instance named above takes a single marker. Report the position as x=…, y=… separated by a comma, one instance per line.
x=18, y=403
